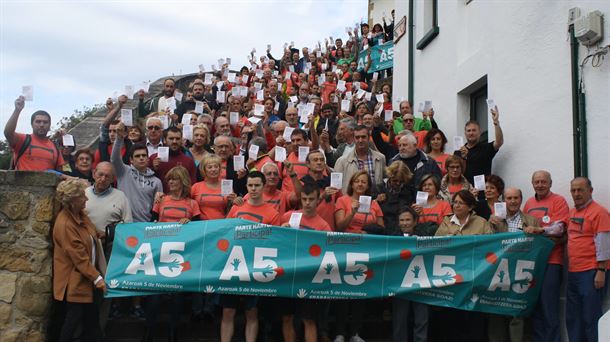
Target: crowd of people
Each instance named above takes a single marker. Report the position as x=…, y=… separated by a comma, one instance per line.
x=316, y=134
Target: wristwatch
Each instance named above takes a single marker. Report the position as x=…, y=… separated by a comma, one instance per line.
x=601, y=269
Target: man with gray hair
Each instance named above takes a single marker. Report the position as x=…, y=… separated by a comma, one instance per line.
x=345, y=141
x=552, y=212
x=416, y=160
x=154, y=133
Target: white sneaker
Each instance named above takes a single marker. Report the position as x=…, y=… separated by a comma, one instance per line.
x=356, y=338
x=339, y=338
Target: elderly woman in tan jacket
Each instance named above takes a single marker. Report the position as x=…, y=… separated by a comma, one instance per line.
x=462, y=325
x=75, y=276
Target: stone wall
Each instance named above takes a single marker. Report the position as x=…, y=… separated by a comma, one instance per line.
x=26, y=215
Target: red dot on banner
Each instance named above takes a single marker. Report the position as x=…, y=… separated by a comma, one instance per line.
x=491, y=257
x=369, y=274
x=279, y=271
x=315, y=250
x=405, y=254
x=458, y=278
x=532, y=283
x=132, y=241
x=223, y=245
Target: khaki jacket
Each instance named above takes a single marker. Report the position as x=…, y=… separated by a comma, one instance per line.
x=528, y=220
x=348, y=165
x=476, y=225
x=73, y=271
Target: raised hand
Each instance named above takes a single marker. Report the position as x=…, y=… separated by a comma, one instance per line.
x=19, y=103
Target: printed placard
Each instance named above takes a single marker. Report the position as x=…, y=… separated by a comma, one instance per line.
x=500, y=209
x=295, y=220
x=422, y=198
x=127, y=117
x=365, y=204
x=458, y=142
x=239, y=162
x=199, y=107
x=187, y=132
x=67, y=140
x=186, y=119
x=163, y=153
x=280, y=154
x=288, y=133
x=336, y=180
x=479, y=182
x=303, y=152
x=233, y=118
x=253, y=152
x=226, y=187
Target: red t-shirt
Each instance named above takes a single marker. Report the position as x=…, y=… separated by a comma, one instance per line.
x=279, y=200
x=315, y=222
x=584, y=225
x=263, y=213
x=211, y=203
x=550, y=209
x=436, y=213
x=258, y=165
x=454, y=188
x=360, y=219
x=40, y=155
x=420, y=135
x=170, y=210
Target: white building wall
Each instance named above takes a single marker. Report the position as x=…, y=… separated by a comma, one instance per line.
x=524, y=50
x=376, y=10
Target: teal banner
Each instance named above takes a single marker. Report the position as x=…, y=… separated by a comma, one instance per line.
x=382, y=57
x=498, y=273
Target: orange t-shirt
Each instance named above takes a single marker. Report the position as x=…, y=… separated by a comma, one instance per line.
x=258, y=165
x=420, y=135
x=585, y=224
x=211, y=203
x=299, y=168
x=360, y=219
x=436, y=213
x=308, y=222
x=550, y=209
x=279, y=200
x=440, y=161
x=170, y=210
x=40, y=155
x=263, y=213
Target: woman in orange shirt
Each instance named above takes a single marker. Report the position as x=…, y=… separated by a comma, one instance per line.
x=436, y=209
x=175, y=206
x=347, y=217
x=434, y=143
x=454, y=180
x=207, y=193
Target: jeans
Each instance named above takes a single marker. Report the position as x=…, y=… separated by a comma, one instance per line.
x=545, y=318
x=401, y=310
x=584, y=306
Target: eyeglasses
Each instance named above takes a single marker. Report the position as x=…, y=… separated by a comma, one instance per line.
x=153, y=128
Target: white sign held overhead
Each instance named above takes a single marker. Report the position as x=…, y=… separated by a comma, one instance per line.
x=303, y=152
x=253, y=152
x=127, y=117
x=280, y=154
x=28, y=93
